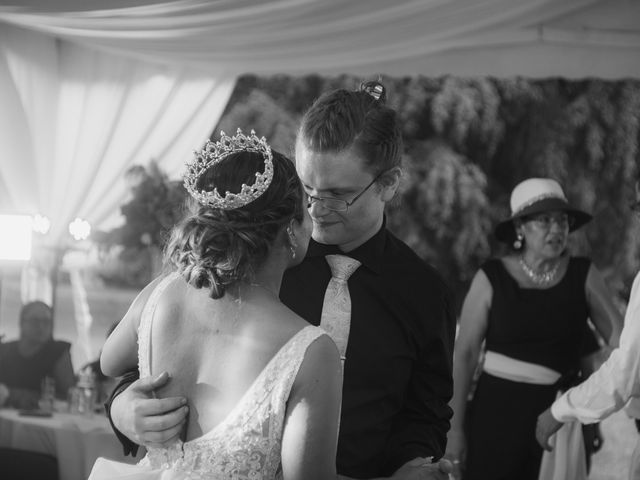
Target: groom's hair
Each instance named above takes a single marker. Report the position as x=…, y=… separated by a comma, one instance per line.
x=342, y=119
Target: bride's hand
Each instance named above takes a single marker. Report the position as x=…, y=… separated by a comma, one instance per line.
x=145, y=420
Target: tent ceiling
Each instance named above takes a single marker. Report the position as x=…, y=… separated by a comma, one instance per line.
x=537, y=38
x=77, y=96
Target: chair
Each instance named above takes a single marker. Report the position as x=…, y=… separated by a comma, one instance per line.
x=25, y=465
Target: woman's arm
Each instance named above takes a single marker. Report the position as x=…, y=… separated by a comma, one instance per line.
x=63, y=374
x=120, y=351
x=471, y=334
x=603, y=313
x=310, y=436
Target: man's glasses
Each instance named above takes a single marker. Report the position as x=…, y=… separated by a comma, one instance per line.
x=337, y=204
x=544, y=221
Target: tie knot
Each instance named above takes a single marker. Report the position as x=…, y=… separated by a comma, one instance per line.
x=342, y=267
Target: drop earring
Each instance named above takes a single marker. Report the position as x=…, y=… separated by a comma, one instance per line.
x=517, y=244
x=292, y=242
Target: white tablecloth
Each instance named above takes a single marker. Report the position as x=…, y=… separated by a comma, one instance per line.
x=75, y=440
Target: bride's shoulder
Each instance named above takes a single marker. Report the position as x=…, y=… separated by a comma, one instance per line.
x=321, y=359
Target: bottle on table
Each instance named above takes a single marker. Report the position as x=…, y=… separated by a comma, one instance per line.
x=47, y=394
x=84, y=394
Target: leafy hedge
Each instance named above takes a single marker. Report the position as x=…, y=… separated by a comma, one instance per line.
x=468, y=141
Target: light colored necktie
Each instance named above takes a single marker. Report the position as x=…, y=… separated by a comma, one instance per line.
x=336, y=309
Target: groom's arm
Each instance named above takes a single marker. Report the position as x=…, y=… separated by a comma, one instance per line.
x=138, y=418
x=420, y=428
x=128, y=447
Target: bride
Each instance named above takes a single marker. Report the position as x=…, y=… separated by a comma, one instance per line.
x=262, y=385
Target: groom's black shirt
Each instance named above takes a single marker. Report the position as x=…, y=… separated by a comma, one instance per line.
x=398, y=371
x=398, y=368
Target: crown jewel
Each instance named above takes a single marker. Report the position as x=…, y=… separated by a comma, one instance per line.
x=213, y=153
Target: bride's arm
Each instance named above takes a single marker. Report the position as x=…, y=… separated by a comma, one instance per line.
x=120, y=351
x=310, y=434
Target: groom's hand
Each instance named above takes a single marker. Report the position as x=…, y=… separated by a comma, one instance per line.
x=423, y=469
x=146, y=420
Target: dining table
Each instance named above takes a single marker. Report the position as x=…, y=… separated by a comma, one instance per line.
x=75, y=440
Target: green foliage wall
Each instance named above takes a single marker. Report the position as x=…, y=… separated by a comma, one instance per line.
x=133, y=251
x=468, y=141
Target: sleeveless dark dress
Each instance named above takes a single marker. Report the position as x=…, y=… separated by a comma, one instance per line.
x=28, y=372
x=542, y=326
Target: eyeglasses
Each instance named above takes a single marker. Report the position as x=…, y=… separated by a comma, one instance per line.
x=544, y=221
x=337, y=204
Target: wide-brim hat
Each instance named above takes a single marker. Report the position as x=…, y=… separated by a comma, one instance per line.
x=538, y=195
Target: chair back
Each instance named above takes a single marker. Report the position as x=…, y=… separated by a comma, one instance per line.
x=25, y=465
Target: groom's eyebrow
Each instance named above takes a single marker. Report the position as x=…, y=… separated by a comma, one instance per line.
x=332, y=190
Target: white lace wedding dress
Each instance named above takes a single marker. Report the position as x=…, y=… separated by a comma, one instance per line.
x=245, y=445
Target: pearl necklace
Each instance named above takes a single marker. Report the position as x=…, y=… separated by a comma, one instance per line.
x=540, y=279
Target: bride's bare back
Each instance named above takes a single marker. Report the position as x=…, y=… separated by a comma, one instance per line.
x=215, y=349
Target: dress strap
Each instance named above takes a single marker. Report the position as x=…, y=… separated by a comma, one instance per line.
x=144, y=328
x=284, y=367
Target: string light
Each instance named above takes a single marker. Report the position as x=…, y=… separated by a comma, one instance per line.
x=80, y=229
x=41, y=224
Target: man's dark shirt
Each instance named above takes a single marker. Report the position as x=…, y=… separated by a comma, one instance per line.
x=398, y=369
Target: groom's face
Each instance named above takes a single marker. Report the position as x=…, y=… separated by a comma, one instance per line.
x=341, y=175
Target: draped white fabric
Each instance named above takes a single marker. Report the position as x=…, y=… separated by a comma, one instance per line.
x=431, y=37
x=73, y=120
x=81, y=350
x=90, y=87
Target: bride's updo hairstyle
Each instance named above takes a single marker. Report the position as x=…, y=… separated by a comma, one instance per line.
x=222, y=242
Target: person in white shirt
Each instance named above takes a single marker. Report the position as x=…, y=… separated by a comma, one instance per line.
x=616, y=384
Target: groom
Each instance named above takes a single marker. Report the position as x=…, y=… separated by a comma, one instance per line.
x=399, y=339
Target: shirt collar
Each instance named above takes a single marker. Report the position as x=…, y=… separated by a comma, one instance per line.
x=369, y=254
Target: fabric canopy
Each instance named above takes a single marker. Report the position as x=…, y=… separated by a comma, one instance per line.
x=73, y=121
x=571, y=38
x=94, y=86
x=89, y=88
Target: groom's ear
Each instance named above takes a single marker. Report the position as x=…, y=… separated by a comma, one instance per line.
x=389, y=182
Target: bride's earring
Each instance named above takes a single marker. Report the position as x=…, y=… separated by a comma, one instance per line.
x=293, y=245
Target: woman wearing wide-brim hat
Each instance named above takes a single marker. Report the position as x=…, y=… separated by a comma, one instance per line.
x=530, y=308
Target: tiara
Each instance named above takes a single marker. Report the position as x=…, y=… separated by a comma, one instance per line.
x=213, y=153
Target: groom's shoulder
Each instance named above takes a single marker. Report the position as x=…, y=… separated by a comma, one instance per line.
x=401, y=257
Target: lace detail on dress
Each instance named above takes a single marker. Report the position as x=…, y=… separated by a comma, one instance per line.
x=246, y=445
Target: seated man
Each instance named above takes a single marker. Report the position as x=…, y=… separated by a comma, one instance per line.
x=26, y=362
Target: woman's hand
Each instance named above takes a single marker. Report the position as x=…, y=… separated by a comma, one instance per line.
x=456, y=452
x=546, y=427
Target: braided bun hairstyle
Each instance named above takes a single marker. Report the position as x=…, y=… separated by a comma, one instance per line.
x=342, y=118
x=216, y=249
